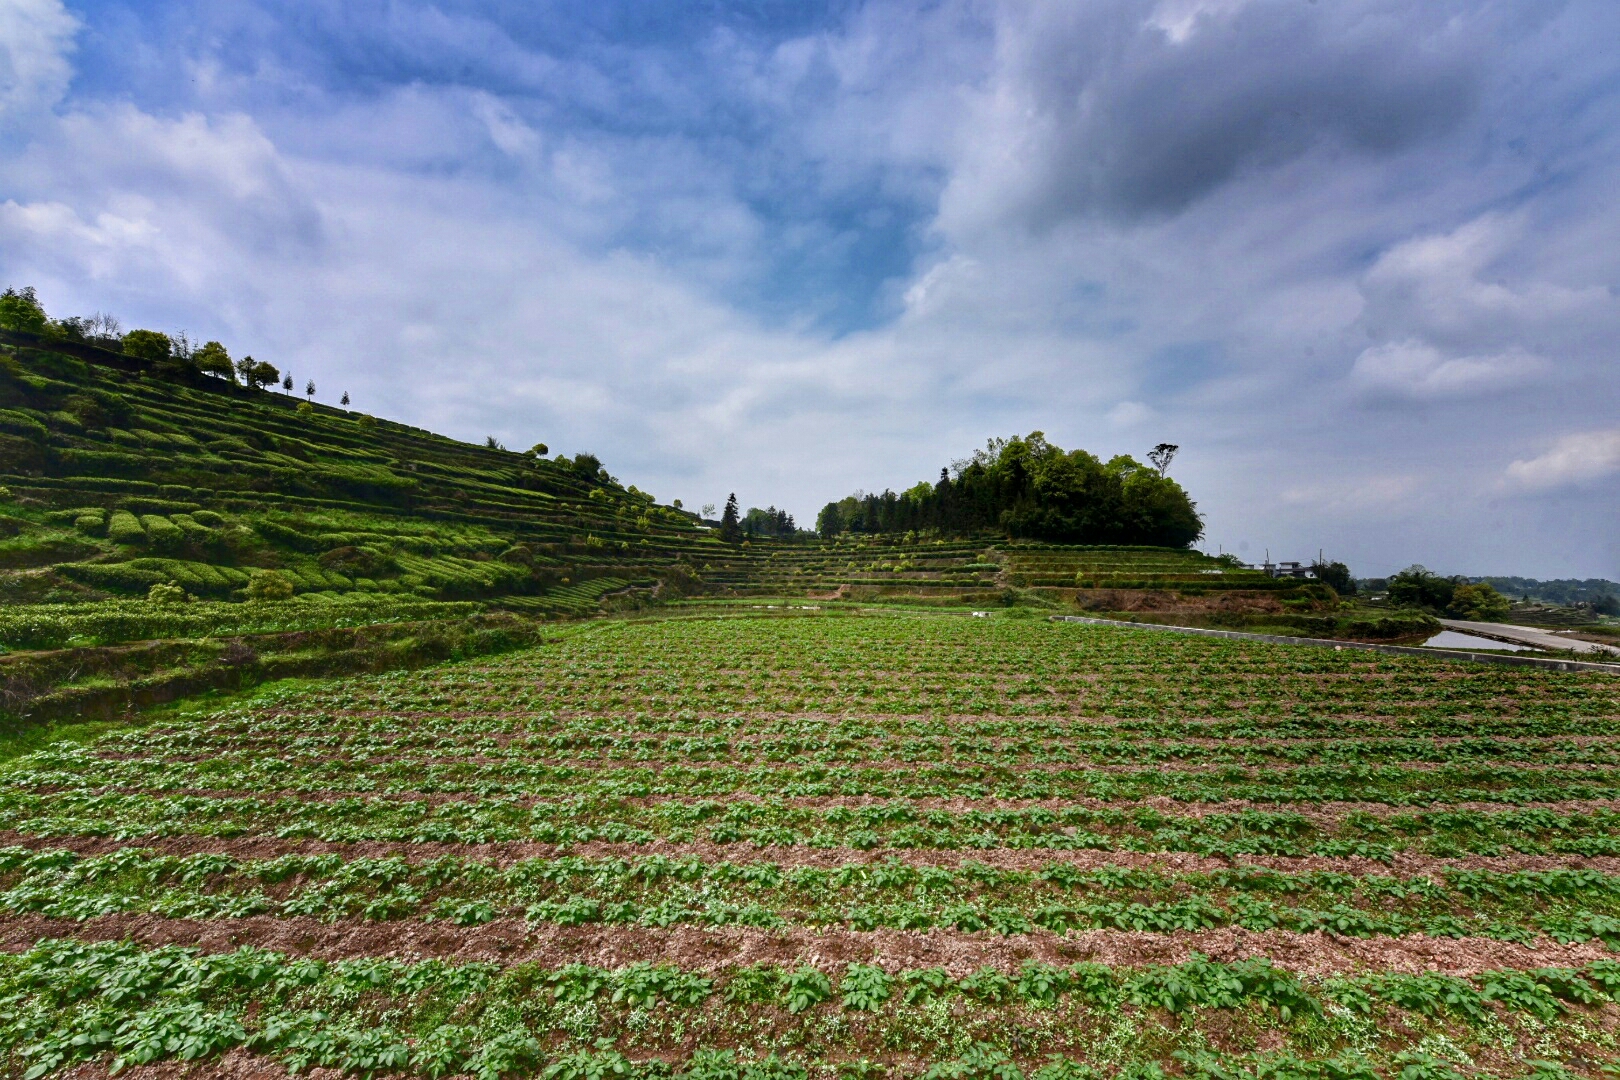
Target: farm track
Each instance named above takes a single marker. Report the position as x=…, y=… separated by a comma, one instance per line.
x=513, y=941
x=772, y=800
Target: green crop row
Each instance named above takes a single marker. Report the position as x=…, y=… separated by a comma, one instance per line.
x=854, y=742
x=95, y=812
x=390, y=713
x=408, y=774
x=1573, y=905
x=67, y=1002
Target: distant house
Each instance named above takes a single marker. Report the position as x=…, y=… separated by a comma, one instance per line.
x=1289, y=570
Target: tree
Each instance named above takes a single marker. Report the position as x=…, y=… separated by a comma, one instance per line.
x=730, y=529
x=212, y=359
x=22, y=311
x=829, y=523
x=708, y=511
x=1336, y=575
x=769, y=522
x=287, y=384
x=147, y=345
x=1418, y=586
x=103, y=328
x=1162, y=455
x=344, y=400
x=309, y=390
x=588, y=466
x=539, y=450
x=1028, y=488
x=492, y=443
x=1479, y=601
x=257, y=374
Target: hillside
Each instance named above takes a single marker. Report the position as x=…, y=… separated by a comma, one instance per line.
x=144, y=502
x=121, y=477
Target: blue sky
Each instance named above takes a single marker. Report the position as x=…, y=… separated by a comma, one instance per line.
x=1357, y=258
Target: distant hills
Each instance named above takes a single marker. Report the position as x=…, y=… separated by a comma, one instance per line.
x=1600, y=594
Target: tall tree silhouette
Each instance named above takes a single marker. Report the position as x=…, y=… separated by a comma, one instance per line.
x=730, y=530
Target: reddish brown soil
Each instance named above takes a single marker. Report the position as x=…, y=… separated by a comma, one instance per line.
x=235, y=1065
x=700, y=949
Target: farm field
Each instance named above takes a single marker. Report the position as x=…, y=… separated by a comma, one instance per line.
x=832, y=845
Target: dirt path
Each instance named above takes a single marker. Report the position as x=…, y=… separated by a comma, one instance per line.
x=509, y=941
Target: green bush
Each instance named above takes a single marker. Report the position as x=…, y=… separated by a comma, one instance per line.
x=115, y=577
x=90, y=524
x=200, y=578
x=124, y=527
x=285, y=537
x=20, y=423
x=165, y=594
x=163, y=534
x=158, y=506
x=269, y=586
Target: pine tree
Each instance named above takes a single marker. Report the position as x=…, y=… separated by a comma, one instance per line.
x=345, y=399
x=309, y=389
x=730, y=530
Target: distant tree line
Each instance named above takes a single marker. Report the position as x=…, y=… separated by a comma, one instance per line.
x=1027, y=487
x=1599, y=594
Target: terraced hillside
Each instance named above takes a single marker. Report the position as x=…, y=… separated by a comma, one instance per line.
x=118, y=479
x=1063, y=566
x=834, y=846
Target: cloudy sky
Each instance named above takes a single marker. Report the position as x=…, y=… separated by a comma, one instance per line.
x=1359, y=258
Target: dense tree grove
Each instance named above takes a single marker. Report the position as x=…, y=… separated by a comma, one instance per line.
x=1027, y=487
x=1418, y=586
x=769, y=522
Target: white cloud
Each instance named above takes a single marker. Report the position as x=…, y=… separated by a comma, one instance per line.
x=1341, y=496
x=1453, y=286
x=1130, y=413
x=1178, y=19
x=35, y=39
x=1416, y=370
x=1573, y=459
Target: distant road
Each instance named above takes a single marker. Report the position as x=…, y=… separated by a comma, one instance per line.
x=1527, y=635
